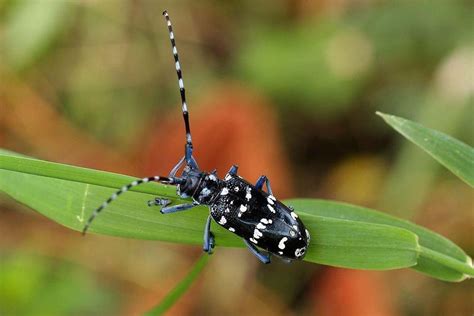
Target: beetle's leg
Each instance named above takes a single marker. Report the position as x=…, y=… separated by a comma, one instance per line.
x=175, y=168
x=177, y=208
x=159, y=201
x=264, y=258
x=261, y=181
x=233, y=170
x=208, y=237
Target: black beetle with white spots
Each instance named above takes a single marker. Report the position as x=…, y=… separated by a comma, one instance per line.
x=263, y=222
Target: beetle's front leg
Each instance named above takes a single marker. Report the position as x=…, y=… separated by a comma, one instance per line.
x=178, y=208
x=170, y=209
x=159, y=202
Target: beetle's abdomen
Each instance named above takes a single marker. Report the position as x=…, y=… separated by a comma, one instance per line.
x=259, y=218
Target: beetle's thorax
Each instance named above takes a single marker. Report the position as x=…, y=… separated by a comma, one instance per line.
x=203, y=187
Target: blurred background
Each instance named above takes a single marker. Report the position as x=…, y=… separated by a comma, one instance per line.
x=283, y=88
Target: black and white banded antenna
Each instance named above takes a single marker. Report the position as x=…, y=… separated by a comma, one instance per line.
x=125, y=188
x=179, y=72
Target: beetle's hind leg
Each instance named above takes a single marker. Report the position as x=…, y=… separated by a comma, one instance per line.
x=209, y=242
x=263, y=258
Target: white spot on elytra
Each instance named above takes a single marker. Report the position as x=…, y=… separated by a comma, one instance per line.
x=270, y=201
x=227, y=210
x=253, y=240
x=228, y=177
x=300, y=252
x=261, y=226
x=281, y=244
x=293, y=214
x=292, y=233
x=271, y=208
x=257, y=234
x=248, y=196
x=222, y=221
x=272, y=197
x=231, y=229
x=295, y=227
x=280, y=252
x=236, y=189
x=212, y=177
x=224, y=191
x=243, y=208
x=266, y=221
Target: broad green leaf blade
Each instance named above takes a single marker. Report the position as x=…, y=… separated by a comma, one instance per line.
x=181, y=288
x=450, y=152
x=434, y=247
x=69, y=202
x=341, y=235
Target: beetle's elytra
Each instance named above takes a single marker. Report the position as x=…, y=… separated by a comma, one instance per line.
x=244, y=209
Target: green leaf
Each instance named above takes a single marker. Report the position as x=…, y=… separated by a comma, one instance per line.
x=341, y=235
x=439, y=257
x=181, y=288
x=450, y=152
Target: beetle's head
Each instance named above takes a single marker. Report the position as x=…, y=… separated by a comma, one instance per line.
x=190, y=182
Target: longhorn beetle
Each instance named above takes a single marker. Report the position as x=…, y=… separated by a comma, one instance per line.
x=242, y=208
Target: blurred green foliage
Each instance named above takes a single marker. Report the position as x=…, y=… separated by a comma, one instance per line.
x=36, y=285
x=301, y=65
x=31, y=28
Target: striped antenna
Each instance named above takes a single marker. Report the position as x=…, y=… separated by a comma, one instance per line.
x=180, y=79
x=125, y=188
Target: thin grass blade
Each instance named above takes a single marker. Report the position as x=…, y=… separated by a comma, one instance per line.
x=181, y=288
x=450, y=152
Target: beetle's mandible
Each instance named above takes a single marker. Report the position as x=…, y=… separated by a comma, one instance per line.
x=263, y=222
